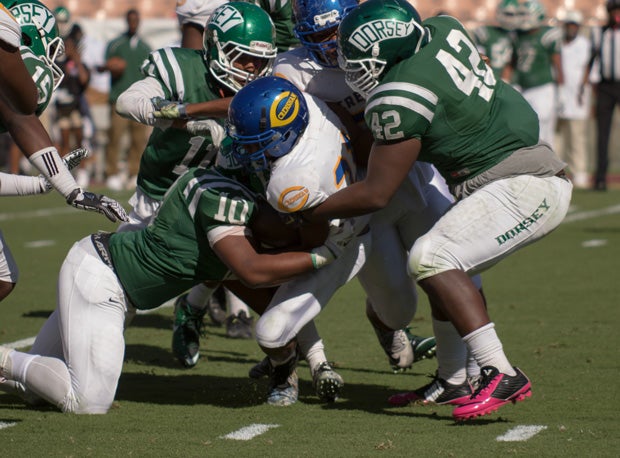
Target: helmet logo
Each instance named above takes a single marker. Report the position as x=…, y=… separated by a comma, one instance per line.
x=284, y=109
x=225, y=18
x=377, y=31
x=327, y=18
x=34, y=13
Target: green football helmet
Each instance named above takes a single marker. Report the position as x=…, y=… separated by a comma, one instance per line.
x=532, y=13
x=236, y=33
x=508, y=15
x=39, y=32
x=374, y=37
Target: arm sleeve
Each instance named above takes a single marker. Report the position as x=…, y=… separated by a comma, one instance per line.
x=20, y=185
x=135, y=102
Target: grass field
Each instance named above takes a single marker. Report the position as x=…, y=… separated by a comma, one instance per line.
x=555, y=305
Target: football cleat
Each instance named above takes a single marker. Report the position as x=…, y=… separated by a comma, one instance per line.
x=283, y=384
x=496, y=389
x=437, y=391
x=187, y=329
x=423, y=347
x=239, y=326
x=397, y=347
x=327, y=383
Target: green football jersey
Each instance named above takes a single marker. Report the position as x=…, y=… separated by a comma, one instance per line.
x=42, y=77
x=447, y=97
x=495, y=43
x=534, y=51
x=184, y=76
x=172, y=253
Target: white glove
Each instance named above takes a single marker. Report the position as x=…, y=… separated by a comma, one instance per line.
x=71, y=161
x=341, y=232
x=207, y=127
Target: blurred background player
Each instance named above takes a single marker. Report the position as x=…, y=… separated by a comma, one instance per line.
x=29, y=45
x=124, y=56
x=175, y=78
x=538, y=67
x=495, y=41
x=574, y=105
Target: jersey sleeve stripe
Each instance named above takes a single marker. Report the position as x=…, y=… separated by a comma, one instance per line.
x=420, y=91
x=178, y=74
x=402, y=102
x=197, y=186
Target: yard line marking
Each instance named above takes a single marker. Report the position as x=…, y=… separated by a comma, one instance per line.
x=594, y=243
x=40, y=243
x=520, y=433
x=4, y=424
x=249, y=432
x=580, y=216
x=20, y=343
x=36, y=213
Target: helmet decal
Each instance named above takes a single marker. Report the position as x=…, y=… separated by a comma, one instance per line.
x=35, y=13
x=366, y=35
x=225, y=18
x=284, y=109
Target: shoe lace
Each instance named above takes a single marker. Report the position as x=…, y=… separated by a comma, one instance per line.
x=483, y=382
x=193, y=319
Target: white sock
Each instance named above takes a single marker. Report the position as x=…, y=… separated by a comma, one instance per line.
x=235, y=305
x=311, y=346
x=198, y=297
x=473, y=370
x=451, y=352
x=487, y=350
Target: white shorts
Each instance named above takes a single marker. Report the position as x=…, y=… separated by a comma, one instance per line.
x=299, y=301
x=91, y=314
x=8, y=266
x=491, y=223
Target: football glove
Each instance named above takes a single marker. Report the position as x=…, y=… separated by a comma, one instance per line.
x=341, y=232
x=168, y=109
x=85, y=200
x=207, y=127
x=71, y=161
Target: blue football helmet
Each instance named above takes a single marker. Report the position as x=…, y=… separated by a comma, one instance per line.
x=265, y=120
x=316, y=21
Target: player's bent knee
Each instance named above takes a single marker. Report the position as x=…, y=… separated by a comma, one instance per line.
x=273, y=330
x=425, y=261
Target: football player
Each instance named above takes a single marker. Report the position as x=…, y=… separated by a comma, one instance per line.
x=29, y=44
x=299, y=150
x=495, y=41
x=538, y=65
x=431, y=97
x=192, y=16
x=239, y=46
x=200, y=233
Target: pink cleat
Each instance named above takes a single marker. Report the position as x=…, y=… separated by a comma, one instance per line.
x=496, y=389
x=437, y=392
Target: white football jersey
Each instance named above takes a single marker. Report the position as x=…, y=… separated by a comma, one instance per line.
x=326, y=83
x=10, y=31
x=196, y=11
x=318, y=165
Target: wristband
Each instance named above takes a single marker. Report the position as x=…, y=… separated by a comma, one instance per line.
x=321, y=256
x=48, y=162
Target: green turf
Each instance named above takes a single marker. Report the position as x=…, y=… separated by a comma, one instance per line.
x=555, y=305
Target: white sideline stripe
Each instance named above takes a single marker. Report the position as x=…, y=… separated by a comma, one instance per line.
x=20, y=343
x=4, y=424
x=249, y=432
x=520, y=433
x=36, y=213
x=580, y=216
